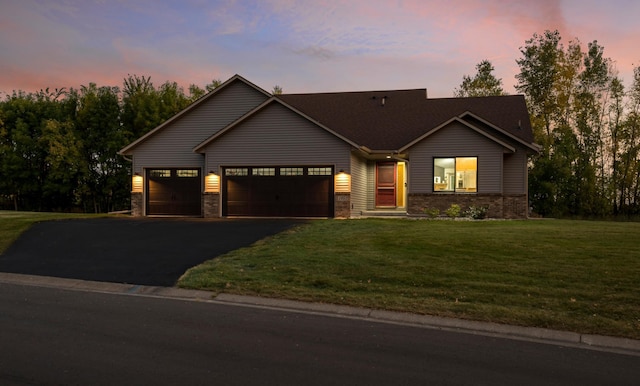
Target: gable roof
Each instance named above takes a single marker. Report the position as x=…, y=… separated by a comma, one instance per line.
x=236, y=78
x=390, y=120
x=468, y=125
x=200, y=147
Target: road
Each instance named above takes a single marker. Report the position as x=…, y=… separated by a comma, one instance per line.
x=53, y=336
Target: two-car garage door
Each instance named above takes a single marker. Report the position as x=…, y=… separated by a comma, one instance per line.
x=286, y=191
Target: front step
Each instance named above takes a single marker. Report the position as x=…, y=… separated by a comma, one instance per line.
x=384, y=213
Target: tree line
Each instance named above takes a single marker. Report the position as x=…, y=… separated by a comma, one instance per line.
x=58, y=149
x=586, y=122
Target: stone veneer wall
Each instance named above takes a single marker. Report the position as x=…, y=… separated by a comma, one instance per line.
x=211, y=204
x=342, y=205
x=137, y=207
x=500, y=206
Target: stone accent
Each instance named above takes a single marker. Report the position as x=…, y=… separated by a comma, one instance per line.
x=516, y=206
x=342, y=205
x=137, y=207
x=211, y=204
x=500, y=206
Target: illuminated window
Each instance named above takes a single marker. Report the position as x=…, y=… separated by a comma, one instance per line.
x=291, y=171
x=320, y=171
x=236, y=172
x=160, y=173
x=457, y=174
x=264, y=171
x=187, y=173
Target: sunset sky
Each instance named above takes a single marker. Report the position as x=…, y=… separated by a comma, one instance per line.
x=302, y=46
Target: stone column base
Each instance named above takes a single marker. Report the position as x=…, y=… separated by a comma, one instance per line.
x=137, y=205
x=211, y=205
x=342, y=205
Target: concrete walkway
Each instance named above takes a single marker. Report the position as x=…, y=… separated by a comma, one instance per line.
x=542, y=335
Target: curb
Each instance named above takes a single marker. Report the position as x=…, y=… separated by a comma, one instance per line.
x=542, y=335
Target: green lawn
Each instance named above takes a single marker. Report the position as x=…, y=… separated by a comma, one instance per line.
x=569, y=275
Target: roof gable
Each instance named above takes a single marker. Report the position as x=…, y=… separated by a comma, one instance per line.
x=201, y=148
x=466, y=124
x=201, y=101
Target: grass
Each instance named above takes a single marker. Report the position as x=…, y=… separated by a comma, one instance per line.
x=12, y=224
x=570, y=275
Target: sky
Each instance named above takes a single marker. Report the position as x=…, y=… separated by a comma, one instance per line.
x=302, y=46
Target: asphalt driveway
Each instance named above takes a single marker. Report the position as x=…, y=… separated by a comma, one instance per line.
x=130, y=250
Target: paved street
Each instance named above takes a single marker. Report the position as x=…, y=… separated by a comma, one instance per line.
x=55, y=336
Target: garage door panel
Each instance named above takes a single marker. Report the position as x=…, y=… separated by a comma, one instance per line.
x=278, y=195
x=174, y=192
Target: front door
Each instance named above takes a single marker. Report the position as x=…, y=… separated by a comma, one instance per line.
x=386, y=185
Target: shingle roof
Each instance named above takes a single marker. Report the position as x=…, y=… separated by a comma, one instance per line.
x=389, y=120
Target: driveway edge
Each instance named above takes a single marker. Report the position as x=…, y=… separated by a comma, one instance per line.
x=543, y=335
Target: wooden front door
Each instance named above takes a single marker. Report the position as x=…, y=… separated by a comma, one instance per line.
x=386, y=184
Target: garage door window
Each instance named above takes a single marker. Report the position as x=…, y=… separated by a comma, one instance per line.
x=187, y=173
x=320, y=171
x=236, y=172
x=291, y=171
x=264, y=171
x=160, y=173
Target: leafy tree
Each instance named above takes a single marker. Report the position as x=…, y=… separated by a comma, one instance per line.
x=277, y=90
x=102, y=135
x=484, y=83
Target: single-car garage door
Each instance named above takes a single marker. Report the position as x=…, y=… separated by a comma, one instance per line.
x=285, y=191
x=174, y=192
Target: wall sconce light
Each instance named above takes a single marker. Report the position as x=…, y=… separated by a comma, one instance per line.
x=137, y=183
x=342, y=182
x=212, y=183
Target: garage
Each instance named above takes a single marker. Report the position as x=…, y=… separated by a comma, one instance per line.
x=174, y=192
x=284, y=191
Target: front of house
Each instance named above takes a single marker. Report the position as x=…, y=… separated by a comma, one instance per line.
x=240, y=151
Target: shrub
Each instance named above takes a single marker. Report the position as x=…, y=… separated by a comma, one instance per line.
x=432, y=212
x=453, y=211
x=477, y=212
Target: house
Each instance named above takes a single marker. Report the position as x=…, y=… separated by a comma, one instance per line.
x=240, y=151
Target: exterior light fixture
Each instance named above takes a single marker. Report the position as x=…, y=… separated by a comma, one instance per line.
x=212, y=183
x=137, y=183
x=342, y=182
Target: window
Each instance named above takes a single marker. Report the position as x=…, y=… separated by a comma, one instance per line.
x=236, y=172
x=264, y=171
x=160, y=173
x=291, y=171
x=187, y=173
x=455, y=174
x=320, y=171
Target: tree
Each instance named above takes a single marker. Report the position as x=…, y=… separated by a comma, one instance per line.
x=277, y=90
x=484, y=83
x=98, y=126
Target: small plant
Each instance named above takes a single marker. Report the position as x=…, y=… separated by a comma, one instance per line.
x=453, y=211
x=477, y=212
x=432, y=212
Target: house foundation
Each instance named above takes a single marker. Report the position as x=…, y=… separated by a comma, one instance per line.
x=500, y=206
